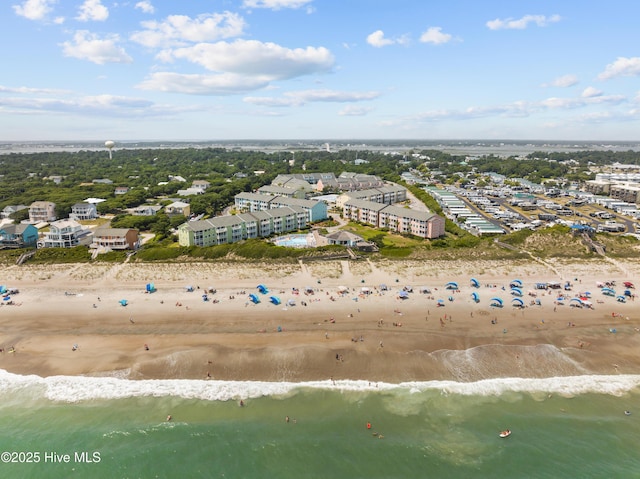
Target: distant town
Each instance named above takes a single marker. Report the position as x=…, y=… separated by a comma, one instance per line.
x=309, y=194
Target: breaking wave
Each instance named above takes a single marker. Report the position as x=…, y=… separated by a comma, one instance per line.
x=73, y=389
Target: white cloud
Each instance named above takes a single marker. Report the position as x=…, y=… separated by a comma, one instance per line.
x=302, y=97
x=521, y=23
x=275, y=4
x=178, y=29
x=355, y=110
x=621, y=67
x=145, y=6
x=220, y=84
x=591, y=92
x=378, y=40
x=34, y=9
x=92, y=10
x=434, y=35
x=29, y=90
x=90, y=105
x=563, y=81
x=251, y=57
x=88, y=46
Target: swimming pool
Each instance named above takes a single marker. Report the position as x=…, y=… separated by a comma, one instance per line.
x=296, y=241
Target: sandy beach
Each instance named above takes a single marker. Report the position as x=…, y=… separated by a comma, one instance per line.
x=69, y=320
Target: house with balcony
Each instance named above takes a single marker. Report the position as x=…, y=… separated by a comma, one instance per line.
x=145, y=210
x=21, y=235
x=65, y=234
x=7, y=211
x=234, y=228
x=116, y=238
x=42, y=212
x=395, y=218
x=83, y=211
x=252, y=202
x=178, y=208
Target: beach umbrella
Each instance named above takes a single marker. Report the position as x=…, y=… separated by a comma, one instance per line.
x=517, y=302
x=516, y=283
x=291, y=302
x=475, y=283
x=275, y=300
x=450, y=298
x=451, y=285
x=621, y=299
x=188, y=288
x=403, y=295
x=262, y=288
x=254, y=299
x=578, y=300
x=383, y=287
x=3, y=289
x=496, y=301
x=123, y=302
x=475, y=297
x=627, y=292
x=441, y=302
x=516, y=292
x=6, y=298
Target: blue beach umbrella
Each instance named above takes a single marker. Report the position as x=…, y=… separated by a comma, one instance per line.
x=451, y=285
x=475, y=283
x=254, y=299
x=275, y=300
x=517, y=302
x=516, y=292
x=475, y=297
x=262, y=288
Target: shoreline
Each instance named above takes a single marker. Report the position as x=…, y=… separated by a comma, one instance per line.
x=333, y=337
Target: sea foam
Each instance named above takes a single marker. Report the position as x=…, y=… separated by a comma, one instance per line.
x=82, y=388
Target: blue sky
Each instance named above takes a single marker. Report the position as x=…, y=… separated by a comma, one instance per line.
x=319, y=69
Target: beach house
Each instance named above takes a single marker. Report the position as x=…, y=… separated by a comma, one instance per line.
x=65, y=233
x=42, y=211
x=116, y=238
x=83, y=211
x=21, y=235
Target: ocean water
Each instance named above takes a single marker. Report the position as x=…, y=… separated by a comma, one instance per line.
x=568, y=427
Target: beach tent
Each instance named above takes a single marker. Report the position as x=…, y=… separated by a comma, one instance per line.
x=475, y=297
x=516, y=292
x=628, y=284
x=517, y=302
x=516, y=283
x=205, y=297
x=475, y=283
x=586, y=294
x=451, y=285
x=383, y=287
x=123, y=302
x=538, y=303
x=342, y=289
x=365, y=290
x=608, y=292
x=275, y=300
x=621, y=299
x=425, y=290
x=440, y=302
x=408, y=289
x=403, y=295
x=291, y=302
x=3, y=289
x=541, y=285
x=188, y=288
x=254, y=299
x=150, y=288
x=450, y=298
x=6, y=298
x=627, y=292
x=262, y=288
x=496, y=302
